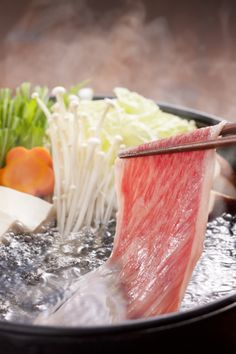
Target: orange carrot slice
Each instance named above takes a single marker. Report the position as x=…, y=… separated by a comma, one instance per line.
x=28, y=171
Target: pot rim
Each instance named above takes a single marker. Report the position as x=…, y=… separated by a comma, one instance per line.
x=163, y=322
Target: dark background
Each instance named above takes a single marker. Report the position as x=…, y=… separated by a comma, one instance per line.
x=180, y=52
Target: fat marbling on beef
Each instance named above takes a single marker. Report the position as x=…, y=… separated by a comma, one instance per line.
x=161, y=221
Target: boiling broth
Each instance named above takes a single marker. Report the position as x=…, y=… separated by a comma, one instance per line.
x=36, y=271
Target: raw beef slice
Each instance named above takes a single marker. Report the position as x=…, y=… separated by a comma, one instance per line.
x=161, y=221
x=162, y=215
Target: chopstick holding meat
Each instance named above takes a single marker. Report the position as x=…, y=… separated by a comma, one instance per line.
x=163, y=209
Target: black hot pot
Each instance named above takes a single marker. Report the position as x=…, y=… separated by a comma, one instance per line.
x=210, y=328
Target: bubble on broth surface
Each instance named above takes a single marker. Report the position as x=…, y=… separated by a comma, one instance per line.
x=215, y=273
x=36, y=271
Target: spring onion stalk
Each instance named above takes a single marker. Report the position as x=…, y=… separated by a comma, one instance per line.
x=86, y=136
x=22, y=122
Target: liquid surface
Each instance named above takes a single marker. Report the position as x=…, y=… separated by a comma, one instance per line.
x=36, y=270
x=215, y=273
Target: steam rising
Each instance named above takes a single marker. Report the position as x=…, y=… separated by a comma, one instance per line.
x=171, y=56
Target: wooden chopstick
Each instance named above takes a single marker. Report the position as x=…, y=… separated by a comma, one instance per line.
x=229, y=128
x=206, y=145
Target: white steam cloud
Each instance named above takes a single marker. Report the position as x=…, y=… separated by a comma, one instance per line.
x=59, y=42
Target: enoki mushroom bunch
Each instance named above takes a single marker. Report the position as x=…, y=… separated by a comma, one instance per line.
x=84, y=191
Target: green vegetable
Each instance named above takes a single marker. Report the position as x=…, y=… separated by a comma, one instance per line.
x=142, y=118
x=22, y=122
x=135, y=118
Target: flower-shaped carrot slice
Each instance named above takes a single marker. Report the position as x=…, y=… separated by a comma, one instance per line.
x=28, y=171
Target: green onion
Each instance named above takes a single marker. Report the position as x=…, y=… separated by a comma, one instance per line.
x=22, y=122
